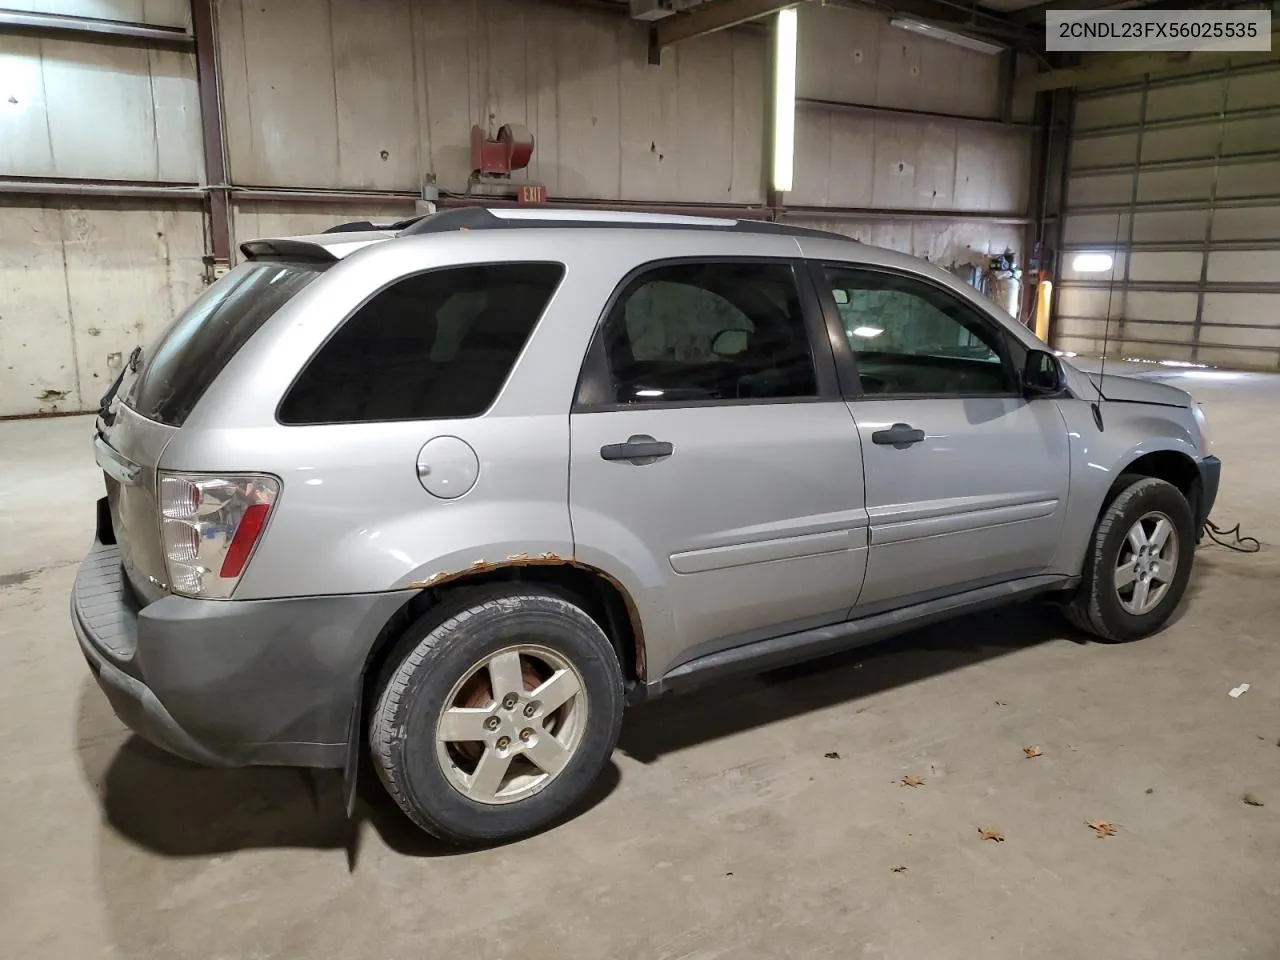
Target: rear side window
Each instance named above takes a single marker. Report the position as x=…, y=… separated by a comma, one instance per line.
x=189, y=355
x=433, y=346
x=707, y=331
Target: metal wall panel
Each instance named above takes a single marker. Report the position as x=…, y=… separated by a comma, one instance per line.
x=83, y=286
x=70, y=109
x=383, y=94
x=1178, y=179
x=866, y=159
x=156, y=13
x=855, y=56
x=944, y=243
x=848, y=160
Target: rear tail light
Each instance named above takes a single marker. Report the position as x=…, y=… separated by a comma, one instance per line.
x=210, y=527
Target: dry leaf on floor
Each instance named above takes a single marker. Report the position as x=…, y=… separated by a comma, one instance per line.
x=995, y=835
x=898, y=869
x=911, y=780
x=1032, y=752
x=1102, y=828
x=1252, y=801
x=832, y=755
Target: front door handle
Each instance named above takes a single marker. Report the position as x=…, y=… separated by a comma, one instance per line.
x=639, y=449
x=900, y=435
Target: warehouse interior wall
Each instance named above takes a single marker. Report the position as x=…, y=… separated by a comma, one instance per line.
x=938, y=151
x=1177, y=179
x=373, y=95
x=338, y=111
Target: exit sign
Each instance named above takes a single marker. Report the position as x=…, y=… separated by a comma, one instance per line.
x=531, y=194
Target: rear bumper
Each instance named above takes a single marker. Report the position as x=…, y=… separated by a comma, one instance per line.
x=228, y=683
x=1210, y=476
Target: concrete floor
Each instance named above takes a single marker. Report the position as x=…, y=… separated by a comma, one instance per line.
x=723, y=830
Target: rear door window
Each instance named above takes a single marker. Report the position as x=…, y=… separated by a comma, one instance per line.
x=190, y=354
x=436, y=345
x=709, y=331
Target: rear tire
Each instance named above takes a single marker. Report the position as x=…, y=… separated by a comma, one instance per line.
x=503, y=710
x=1138, y=564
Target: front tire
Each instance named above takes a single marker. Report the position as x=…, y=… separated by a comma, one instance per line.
x=1138, y=565
x=503, y=710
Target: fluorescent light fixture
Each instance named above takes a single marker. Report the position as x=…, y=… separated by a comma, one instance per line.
x=784, y=99
x=1092, y=262
x=866, y=331
x=946, y=36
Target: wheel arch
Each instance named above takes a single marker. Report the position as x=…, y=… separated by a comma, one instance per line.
x=600, y=595
x=1173, y=466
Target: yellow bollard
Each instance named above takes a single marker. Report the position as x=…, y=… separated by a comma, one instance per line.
x=1044, y=296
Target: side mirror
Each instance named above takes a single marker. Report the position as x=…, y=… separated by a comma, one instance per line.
x=729, y=343
x=1042, y=375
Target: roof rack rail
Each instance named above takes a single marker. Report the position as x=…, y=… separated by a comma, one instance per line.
x=360, y=226
x=483, y=218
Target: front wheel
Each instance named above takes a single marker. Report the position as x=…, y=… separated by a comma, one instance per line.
x=1138, y=564
x=502, y=712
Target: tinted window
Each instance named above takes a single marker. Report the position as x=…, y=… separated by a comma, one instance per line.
x=432, y=346
x=190, y=354
x=709, y=331
x=911, y=338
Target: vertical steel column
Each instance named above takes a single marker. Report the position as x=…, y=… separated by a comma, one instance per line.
x=1066, y=100
x=208, y=77
x=1208, y=217
x=1046, y=121
x=1133, y=210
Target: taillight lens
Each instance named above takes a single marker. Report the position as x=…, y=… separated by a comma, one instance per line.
x=209, y=526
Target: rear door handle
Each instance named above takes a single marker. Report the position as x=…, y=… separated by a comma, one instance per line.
x=640, y=448
x=899, y=435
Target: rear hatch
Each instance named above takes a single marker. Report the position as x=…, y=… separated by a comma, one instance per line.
x=156, y=392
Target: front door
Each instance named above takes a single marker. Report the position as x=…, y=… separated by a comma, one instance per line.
x=714, y=466
x=966, y=480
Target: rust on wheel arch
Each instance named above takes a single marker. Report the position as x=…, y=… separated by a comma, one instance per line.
x=548, y=559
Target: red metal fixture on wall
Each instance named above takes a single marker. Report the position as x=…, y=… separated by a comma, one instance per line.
x=494, y=160
x=511, y=151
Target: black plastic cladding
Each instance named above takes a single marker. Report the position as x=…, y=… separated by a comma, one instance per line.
x=479, y=218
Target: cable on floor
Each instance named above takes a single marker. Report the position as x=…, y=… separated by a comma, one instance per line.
x=1241, y=544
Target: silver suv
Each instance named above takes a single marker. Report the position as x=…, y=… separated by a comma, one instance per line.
x=459, y=489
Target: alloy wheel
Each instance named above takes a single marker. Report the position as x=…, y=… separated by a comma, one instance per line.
x=1147, y=563
x=511, y=724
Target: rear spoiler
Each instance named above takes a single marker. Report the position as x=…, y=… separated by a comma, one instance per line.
x=319, y=248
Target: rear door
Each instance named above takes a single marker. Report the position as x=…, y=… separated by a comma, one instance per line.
x=966, y=479
x=713, y=458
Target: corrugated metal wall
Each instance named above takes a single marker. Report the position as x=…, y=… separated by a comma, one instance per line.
x=893, y=160
x=1179, y=180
